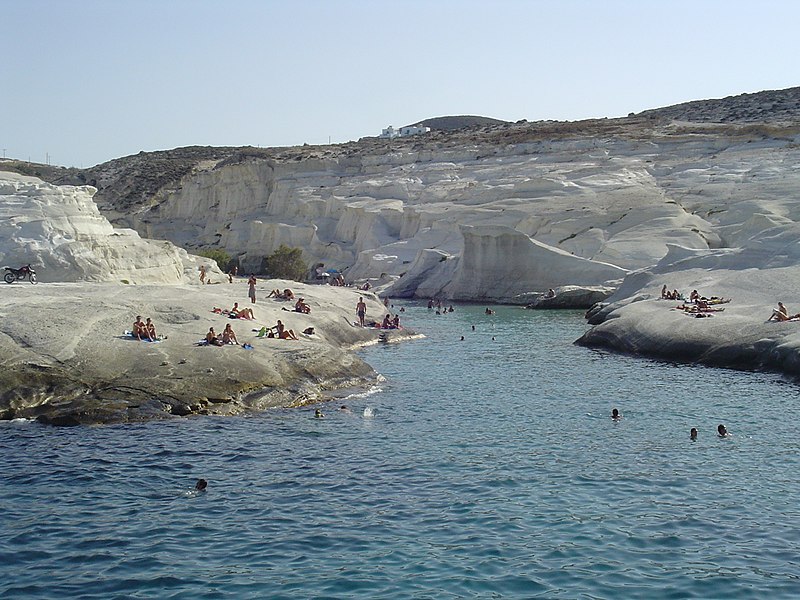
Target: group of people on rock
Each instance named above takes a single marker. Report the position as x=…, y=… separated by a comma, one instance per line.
x=697, y=306
x=782, y=314
x=144, y=330
x=232, y=272
x=700, y=305
x=673, y=295
x=226, y=337
x=390, y=322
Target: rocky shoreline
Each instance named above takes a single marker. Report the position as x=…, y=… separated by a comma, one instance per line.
x=66, y=360
x=637, y=321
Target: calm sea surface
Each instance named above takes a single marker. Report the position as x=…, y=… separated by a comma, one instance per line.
x=487, y=469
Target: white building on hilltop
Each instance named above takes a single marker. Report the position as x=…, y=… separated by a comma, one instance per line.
x=391, y=132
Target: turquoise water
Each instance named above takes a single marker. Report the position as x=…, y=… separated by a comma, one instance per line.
x=488, y=469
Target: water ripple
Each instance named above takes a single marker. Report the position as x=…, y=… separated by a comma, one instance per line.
x=487, y=470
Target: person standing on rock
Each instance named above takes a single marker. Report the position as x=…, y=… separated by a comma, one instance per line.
x=252, y=288
x=202, y=273
x=361, y=310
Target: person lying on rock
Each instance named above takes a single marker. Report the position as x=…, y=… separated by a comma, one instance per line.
x=228, y=336
x=285, y=334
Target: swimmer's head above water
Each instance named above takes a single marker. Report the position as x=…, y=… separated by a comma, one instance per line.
x=693, y=433
x=201, y=485
x=615, y=414
x=722, y=431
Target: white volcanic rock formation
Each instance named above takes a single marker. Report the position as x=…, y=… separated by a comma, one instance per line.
x=61, y=232
x=609, y=192
x=603, y=206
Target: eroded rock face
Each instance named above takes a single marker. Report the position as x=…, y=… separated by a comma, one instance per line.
x=613, y=202
x=66, y=359
x=61, y=232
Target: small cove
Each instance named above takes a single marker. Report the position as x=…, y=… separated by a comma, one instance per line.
x=489, y=468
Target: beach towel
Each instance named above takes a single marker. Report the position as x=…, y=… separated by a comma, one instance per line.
x=129, y=334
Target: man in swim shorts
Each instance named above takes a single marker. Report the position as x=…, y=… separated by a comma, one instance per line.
x=361, y=310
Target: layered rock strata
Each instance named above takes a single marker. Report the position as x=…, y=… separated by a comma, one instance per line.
x=60, y=231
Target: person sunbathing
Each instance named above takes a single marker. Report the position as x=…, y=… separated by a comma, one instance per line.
x=276, y=293
x=781, y=314
x=150, y=329
x=212, y=339
x=288, y=294
x=241, y=313
x=138, y=328
x=228, y=336
x=301, y=307
x=285, y=334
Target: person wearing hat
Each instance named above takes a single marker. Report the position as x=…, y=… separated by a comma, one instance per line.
x=301, y=306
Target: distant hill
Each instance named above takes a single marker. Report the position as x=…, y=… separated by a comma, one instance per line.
x=769, y=106
x=458, y=122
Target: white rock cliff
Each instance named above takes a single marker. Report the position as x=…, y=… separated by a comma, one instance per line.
x=62, y=233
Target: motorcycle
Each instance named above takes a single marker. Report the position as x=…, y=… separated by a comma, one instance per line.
x=23, y=273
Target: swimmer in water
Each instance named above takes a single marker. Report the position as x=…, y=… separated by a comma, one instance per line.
x=462, y=338
x=318, y=414
x=473, y=328
x=693, y=434
x=201, y=485
x=721, y=431
x=615, y=414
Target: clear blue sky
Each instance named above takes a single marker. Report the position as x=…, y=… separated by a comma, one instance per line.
x=85, y=81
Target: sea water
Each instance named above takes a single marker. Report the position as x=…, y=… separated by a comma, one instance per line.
x=482, y=468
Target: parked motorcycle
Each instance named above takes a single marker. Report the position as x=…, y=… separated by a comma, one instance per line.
x=23, y=273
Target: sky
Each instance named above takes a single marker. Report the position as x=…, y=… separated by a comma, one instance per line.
x=86, y=81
